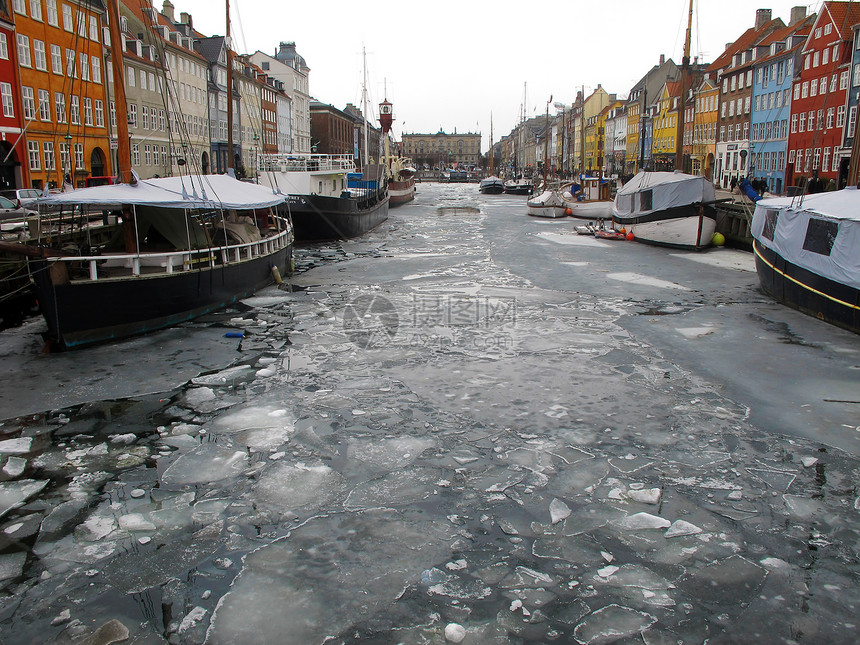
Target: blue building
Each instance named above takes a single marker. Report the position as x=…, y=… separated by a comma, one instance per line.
x=775, y=62
x=853, y=101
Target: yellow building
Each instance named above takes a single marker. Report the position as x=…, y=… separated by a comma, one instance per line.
x=705, y=117
x=665, y=127
x=442, y=150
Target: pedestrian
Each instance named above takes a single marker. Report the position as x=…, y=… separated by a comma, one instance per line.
x=734, y=184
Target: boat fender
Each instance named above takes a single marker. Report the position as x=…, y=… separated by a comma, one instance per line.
x=276, y=274
x=234, y=334
x=630, y=236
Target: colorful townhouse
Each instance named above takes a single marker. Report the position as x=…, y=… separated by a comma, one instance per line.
x=733, y=72
x=853, y=101
x=703, y=136
x=640, y=97
x=13, y=169
x=63, y=90
x=820, y=97
x=775, y=61
x=665, y=126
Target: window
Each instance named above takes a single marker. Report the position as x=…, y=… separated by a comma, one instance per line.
x=4, y=47
x=36, y=10
x=130, y=76
x=100, y=113
x=113, y=114
x=852, y=121
x=96, y=67
x=816, y=163
x=82, y=24
x=52, y=12
x=56, y=60
x=828, y=28
x=29, y=103
x=85, y=66
x=820, y=236
x=44, y=105
x=33, y=155
x=132, y=115
x=94, y=28
x=840, y=116
x=75, y=110
x=843, y=80
x=135, y=154
x=60, y=106
x=20, y=6
x=79, y=156
x=144, y=117
x=804, y=90
x=797, y=91
x=88, y=111
x=815, y=58
x=826, y=158
x=813, y=88
x=39, y=58
x=747, y=105
x=646, y=200
x=143, y=79
x=771, y=217
x=50, y=158
x=147, y=155
x=24, y=50
x=825, y=56
x=830, y=115
x=6, y=97
x=822, y=85
x=70, y=63
x=67, y=18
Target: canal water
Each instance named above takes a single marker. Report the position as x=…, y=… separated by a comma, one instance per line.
x=468, y=426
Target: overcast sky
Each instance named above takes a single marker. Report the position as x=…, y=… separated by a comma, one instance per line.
x=450, y=65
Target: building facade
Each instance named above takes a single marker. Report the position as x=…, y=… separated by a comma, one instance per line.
x=444, y=150
x=13, y=156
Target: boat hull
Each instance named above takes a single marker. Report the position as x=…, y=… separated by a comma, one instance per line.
x=492, y=188
x=84, y=312
x=685, y=227
x=319, y=218
x=401, y=192
x=541, y=210
x=806, y=291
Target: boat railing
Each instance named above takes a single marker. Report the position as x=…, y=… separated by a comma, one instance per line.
x=306, y=163
x=168, y=262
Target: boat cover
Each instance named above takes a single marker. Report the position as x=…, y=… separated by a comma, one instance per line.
x=668, y=190
x=790, y=233
x=189, y=191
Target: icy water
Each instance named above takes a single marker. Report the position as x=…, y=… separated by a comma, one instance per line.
x=467, y=426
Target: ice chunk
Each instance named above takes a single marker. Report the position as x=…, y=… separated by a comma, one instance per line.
x=454, y=633
x=558, y=510
x=397, y=488
x=112, y=631
x=15, y=467
x=12, y=565
x=612, y=623
x=206, y=464
x=135, y=522
x=284, y=487
x=733, y=581
x=644, y=521
x=95, y=528
x=18, y=446
x=682, y=527
x=607, y=571
x=389, y=454
x=646, y=496
x=192, y=618
x=808, y=462
x=14, y=494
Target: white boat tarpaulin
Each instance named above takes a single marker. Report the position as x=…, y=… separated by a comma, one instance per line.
x=841, y=207
x=668, y=190
x=186, y=192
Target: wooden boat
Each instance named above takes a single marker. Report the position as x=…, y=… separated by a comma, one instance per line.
x=668, y=209
x=491, y=186
x=184, y=247
x=519, y=186
x=547, y=204
x=807, y=253
x=399, y=171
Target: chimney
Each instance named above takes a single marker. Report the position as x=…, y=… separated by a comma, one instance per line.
x=185, y=19
x=167, y=10
x=798, y=14
x=762, y=17
x=662, y=58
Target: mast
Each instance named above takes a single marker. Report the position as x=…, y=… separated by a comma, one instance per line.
x=546, y=141
x=685, y=71
x=491, y=144
x=364, y=107
x=123, y=151
x=229, y=91
x=582, y=135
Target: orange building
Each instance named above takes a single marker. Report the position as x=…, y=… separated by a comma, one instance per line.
x=63, y=97
x=704, y=130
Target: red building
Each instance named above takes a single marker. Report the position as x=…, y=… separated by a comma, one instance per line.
x=820, y=96
x=12, y=171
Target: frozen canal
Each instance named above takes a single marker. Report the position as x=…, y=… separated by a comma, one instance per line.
x=468, y=426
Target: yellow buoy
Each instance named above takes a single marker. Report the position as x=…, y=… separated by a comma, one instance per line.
x=718, y=239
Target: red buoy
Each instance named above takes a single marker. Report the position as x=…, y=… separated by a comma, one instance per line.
x=630, y=236
x=567, y=211
x=623, y=230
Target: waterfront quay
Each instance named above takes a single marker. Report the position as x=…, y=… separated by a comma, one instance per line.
x=468, y=425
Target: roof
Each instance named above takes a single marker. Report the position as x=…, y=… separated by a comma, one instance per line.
x=844, y=16
x=749, y=38
x=186, y=192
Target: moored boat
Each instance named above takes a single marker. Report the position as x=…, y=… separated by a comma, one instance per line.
x=491, y=186
x=547, y=204
x=519, y=186
x=807, y=253
x=399, y=171
x=668, y=209
x=182, y=247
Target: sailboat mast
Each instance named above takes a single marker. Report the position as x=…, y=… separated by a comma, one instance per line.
x=546, y=141
x=123, y=151
x=364, y=106
x=685, y=72
x=229, y=91
x=491, y=143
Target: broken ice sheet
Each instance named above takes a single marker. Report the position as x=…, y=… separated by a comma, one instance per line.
x=388, y=454
x=732, y=581
x=394, y=489
x=14, y=494
x=558, y=510
x=302, y=589
x=286, y=487
x=207, y=464
x=612, y=623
